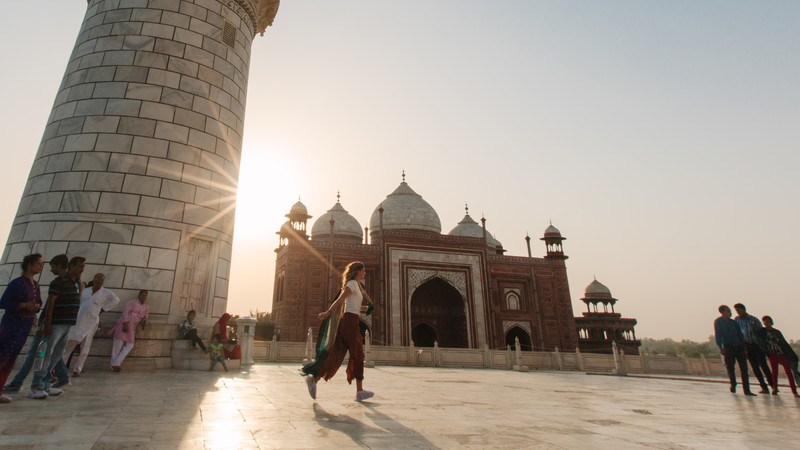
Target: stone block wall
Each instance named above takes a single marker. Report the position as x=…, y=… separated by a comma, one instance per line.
x=138, y=165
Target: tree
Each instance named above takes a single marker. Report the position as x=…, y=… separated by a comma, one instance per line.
x=669, y=347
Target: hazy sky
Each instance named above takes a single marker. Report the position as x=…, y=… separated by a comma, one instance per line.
x=660, y=137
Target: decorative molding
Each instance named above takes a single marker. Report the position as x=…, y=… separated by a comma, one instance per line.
x=267, y=10
x=417, y=277
x=245, y=9
x=509, y=324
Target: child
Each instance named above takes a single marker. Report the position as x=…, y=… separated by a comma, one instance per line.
x=216, y=353
x=189, y=331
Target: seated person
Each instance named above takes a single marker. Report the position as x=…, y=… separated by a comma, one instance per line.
x=230, y=348
x=189, y=332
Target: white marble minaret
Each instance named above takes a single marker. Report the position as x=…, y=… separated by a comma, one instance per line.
x=137, y=169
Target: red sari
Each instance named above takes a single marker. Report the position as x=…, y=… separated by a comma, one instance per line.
x=230, y=350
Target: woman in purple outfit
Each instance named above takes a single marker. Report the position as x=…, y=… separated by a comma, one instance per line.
x=21, y=300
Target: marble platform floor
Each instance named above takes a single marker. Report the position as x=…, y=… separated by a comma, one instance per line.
x=268, y=406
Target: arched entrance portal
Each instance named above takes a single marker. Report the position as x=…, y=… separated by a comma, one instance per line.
x=440, y=307
x=524, y=339
x=423, y=335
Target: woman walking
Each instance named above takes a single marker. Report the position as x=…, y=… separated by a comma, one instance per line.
x=21, y=300
x=340, y=333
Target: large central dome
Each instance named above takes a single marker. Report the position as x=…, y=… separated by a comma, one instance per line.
x=404, y=209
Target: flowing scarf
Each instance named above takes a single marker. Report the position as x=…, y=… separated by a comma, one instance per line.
x=325, y=339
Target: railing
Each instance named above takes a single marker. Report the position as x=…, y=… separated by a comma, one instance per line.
x=508, y=359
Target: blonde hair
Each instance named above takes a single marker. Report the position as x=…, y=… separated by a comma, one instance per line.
x=351, y=271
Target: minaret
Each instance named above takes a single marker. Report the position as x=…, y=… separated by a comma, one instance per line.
x=138, y=165
x=552, y=239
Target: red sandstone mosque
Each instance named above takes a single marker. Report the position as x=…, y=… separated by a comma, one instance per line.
x=458, y=289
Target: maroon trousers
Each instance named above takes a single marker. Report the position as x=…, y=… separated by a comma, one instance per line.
x=348, y=338
x=774, y=360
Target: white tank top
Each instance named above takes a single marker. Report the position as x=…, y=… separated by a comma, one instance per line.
x=352, y=304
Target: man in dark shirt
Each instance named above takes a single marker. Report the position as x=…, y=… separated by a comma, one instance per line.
x=731, y=344
x=63, y=302
x=758, y=361
x=58, y=265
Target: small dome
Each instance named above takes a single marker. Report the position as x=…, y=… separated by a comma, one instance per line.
x=468, y=227
x=344, y=225
x=596, y=289
x=298, y=209
x=404, y=209
x=552, y=231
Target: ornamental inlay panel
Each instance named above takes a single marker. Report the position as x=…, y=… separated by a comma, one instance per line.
x=417, y=277
x=509, y=324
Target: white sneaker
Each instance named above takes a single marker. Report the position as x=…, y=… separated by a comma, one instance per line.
x=37, y=394
x=55, y=391
x=363, y=395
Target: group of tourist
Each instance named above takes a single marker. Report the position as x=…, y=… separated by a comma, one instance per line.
x=69, y=318
x=743, y=339
x=223, y=341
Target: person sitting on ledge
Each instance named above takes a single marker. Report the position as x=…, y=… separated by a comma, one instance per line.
x=230, y=348
x=189, y=331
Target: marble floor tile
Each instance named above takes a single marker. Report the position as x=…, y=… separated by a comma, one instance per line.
x=267, y=406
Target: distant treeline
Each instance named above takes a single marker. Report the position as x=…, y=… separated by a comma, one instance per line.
x=690, y=349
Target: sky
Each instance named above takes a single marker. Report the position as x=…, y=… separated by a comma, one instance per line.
x=659, y=137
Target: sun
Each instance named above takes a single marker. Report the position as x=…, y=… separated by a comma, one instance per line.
x=265, y=179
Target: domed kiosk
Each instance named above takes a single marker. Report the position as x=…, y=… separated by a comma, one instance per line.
x=600, y=326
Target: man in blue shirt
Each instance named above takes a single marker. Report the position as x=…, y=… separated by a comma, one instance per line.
x=758, y=361
x=731, y=344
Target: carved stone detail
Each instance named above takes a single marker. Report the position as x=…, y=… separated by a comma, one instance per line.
x=417, y=277
x=509, y=324
x=244, y=9
x=267, y=9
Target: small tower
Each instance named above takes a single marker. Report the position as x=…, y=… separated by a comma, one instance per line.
x=600, y=327
x=552, y=239
x=295, y=227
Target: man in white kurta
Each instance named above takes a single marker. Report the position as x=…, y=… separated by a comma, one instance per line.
x=95, y=299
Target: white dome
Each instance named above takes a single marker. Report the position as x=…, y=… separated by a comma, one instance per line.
x=299, y=209
x=404, y=209
x=468, y=227
x=552, y=231
x=345, y=225
x=596, y=289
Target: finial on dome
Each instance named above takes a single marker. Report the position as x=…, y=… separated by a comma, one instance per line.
x=466, y=208
x=404, y=175
x=338, y=196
